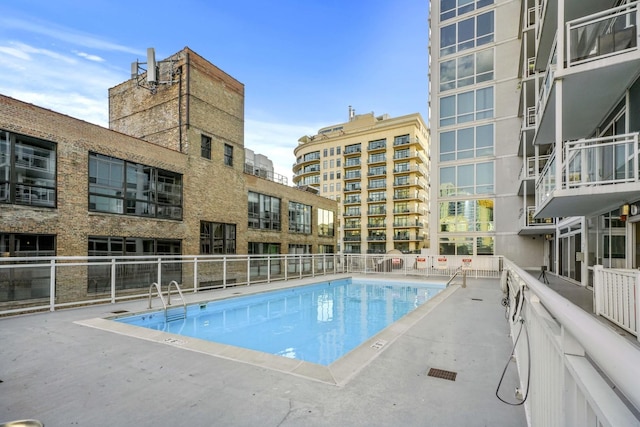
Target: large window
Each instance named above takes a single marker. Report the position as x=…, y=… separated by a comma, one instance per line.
x=474, y=178
x=464, y=245
x=27, y=170
x=131, y=276
x=467, y=34
x=466, y=106
x=325, y=223
x=463, y=216
x=452, y=8
x=217, y=238
x=121, y=187
x=299, y=218
x=26, y=283
x=467, y=143
x=466, y=70
x=264, y=212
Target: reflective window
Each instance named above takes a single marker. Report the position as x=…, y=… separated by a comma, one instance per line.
x=121, y=187
x=217, y=238
x=264, y=212
x=27, y=170
x=475, y=178
x=466, y=106
x=452, y=8
x=466, y=70
x=299, y=218
x=466, y=143
x=467, y=34
x=326, y=223
x=461, y=216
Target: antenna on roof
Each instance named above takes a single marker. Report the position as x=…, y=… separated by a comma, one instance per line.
x=157, y=72
x=152, y=72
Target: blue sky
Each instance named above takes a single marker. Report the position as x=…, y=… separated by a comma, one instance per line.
x=302, y=62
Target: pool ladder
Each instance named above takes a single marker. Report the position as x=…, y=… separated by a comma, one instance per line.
x=169, y=315
x=453, y=276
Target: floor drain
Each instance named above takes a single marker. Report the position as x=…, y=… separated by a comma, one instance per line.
x=441, y=373
x=477, y=299
x=378, y=344
x=120, y=311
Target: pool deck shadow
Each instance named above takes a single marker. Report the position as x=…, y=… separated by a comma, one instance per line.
x=75, y=367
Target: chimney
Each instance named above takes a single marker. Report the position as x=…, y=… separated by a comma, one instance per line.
x=352, y=113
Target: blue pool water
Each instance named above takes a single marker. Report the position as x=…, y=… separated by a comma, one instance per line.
x=316, y=323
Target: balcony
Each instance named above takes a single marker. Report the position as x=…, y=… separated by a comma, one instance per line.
x=376, y=225
x=532, y=225
x=601, y=54
x=596, y=174
x=528, y=174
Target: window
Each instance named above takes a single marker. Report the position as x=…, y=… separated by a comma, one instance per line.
x=377, y=170
x=299, y=218
x=338, y=150
x=467, y=34
x=466, y=106
x=466, y=70
x=474, y=178
x=217, y=238
x=326, y=222
x=256, y=248
x=331, y=151
x=353, y=148
x=121, y=187
x=338, y=163
x=331, y=163
x=326, y=249
x=452, y=8
x=378, y=144
x=377, y=158
x=377, y=183
x=264, y=212
x=27, y=170
x=466, y=143
x=26, y=283
x=311, y=156
x=205, y=147
x=466, y=245
x=324, y=152
x=461, y=216
x=137, y=275
x=324, y=176
x=228, y=155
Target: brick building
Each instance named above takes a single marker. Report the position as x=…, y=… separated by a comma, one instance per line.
x=168, y=177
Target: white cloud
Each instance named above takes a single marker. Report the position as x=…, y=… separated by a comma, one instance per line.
x=276, y=141
x=68, y=35
x=90, y=57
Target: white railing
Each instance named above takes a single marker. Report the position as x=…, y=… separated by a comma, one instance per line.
x=600, y=161
x=574, y=370
x=537, y=222
x=590, y=162
x=603, y=34
x=546, y=184
x=48, y=283
x=616, y=295
x=547, y=82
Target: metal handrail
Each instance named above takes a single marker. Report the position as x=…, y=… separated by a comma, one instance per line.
x=453, y=276
x=155, y=285
x=184, y=305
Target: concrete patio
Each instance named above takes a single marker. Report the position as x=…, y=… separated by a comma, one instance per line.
x=64, y=373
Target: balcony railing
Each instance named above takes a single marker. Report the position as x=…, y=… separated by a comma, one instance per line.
x=573, y=368
x=547, y=81
x=530, y=221
x=528, y=170
x=590, y=162
x=616, y=295
x=603, y=34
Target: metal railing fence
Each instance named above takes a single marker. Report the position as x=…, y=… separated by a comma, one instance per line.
x=48, y=283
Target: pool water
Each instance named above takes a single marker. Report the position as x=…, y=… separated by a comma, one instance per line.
x=316, y=323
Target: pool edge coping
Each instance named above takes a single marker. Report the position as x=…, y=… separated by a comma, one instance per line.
x=338, y=373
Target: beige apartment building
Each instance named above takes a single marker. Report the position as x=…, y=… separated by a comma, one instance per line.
x=170, y=177
x=377, y=169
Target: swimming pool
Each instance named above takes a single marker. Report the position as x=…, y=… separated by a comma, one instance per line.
x=316, y=323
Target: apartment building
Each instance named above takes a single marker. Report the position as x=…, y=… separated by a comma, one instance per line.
x=377, y=169
x=533, y=112
x=168, y=178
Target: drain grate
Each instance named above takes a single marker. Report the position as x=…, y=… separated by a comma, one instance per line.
x=441, y=373
x=477, y=299
x=120, y=311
